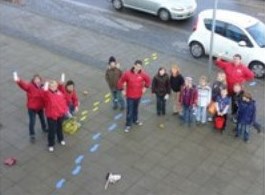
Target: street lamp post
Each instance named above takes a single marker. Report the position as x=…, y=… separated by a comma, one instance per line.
x=212, y=40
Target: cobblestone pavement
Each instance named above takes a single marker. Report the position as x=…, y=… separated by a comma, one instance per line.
x=173, y=160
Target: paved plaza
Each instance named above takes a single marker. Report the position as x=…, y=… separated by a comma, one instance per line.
x=174, y=160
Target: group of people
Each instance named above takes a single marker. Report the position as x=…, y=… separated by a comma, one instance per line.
x=203, y=102
x=52, y=101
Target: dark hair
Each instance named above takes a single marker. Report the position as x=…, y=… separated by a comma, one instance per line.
x=36, y=76
x=112, y=59
x=161, y=68
x=247, y=95
x=70, y=82
x=238, y=56
x=138, y=62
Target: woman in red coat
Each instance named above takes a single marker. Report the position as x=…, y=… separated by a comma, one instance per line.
x=235, y=72
x=55, y=110
x=35, y=102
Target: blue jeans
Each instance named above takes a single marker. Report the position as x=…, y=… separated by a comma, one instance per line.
x=132, y=111
x=32, y=120
x=201, y=114
x=160, y=105
x=243, y=129
x=117, y=99
x=187, y=114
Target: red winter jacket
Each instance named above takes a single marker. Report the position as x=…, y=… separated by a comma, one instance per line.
x=235, y=74
x=55, y=104
x=34, y=95
x=135, y=82
x=71, y=98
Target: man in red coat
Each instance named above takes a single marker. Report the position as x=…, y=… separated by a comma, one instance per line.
x=134, y=84
x=35, y=103
x=235, y=71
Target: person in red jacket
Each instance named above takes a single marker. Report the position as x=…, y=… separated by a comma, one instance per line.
x=55, y=109
x=134, y=84
x=70, y=94
x=35, y=102
x=235, y=71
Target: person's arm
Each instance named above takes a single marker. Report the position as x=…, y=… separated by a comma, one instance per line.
x=248, y=74
x=23, y=85
x=122, y=81
x=253, y=118
x=221, y=64
x=107, y=77
x=147, y=80
x=75, y=101
x=195, y=97
x=210, y=95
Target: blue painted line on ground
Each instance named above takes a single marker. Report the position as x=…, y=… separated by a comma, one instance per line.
x=60, y=183
x=76, y=170
x=252, y=83
x=118, y=116
x=79, y=159
x=96, y=136
x=112, y=127
x=94, y=148
x=145, y=101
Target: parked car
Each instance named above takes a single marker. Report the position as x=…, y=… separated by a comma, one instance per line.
x=164, y=9
x=234, y=33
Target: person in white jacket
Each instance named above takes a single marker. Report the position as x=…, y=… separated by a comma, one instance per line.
x=204, y=99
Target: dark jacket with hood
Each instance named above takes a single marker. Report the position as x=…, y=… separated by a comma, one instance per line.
x=246, y=112
x=161, y=85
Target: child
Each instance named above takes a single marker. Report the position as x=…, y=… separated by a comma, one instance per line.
x=112, y=76
x=188, y=99
x=204, y=99
x=35, y=103
x=245, y=116
x=161, y=88
x=222, y=106
x=236, y=97
x=70, y=94
x=176, y=82
x=55, y=108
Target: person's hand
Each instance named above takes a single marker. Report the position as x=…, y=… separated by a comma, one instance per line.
x=76, y=109
x=144, y=90
x=62, y=77
x=166, y=97
x=15, y=77
x=46, y=86
x=123, y=92
x=69, y=115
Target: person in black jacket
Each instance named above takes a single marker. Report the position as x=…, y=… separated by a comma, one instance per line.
x=176, y=82
x=161, y=87
x=236, y=97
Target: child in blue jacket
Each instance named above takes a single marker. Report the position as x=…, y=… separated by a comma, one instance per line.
x=245, y=116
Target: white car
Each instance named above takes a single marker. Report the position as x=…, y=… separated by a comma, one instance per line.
x=164, y=9
x=235, y=33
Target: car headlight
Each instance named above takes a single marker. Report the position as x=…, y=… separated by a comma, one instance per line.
x=177, y=9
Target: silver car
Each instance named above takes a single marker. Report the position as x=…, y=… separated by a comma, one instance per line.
x=164, y=9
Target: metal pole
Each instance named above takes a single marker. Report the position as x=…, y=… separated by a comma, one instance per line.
x=210, y=65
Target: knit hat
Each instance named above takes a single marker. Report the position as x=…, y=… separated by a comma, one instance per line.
x=112, y=59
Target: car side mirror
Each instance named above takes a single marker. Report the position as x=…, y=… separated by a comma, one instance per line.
x=242, y=43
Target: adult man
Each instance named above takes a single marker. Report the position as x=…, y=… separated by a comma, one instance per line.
x=134, y=84
x=235, y=71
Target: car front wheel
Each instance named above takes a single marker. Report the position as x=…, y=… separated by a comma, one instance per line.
x=196, y=49
x=164, y=15
x=117, y=4
x=258, y=69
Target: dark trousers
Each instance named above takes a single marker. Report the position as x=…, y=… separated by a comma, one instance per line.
x=132, y=111
x=55, y=127
x=160, y=105
x=32, y=120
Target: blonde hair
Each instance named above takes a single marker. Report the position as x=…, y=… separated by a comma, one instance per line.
x=204, y=78
x=175, y=67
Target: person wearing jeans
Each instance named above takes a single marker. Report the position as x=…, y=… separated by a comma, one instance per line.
x=133, y=84
x=161, y=87
x=112, y=76
x=35, y=103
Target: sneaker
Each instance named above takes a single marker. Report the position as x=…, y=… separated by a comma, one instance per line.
x=112, y=179
x=32, y=139
x=62, y=143
x=139, y=123
x=210, y=119
x=234, y=120
x=51, y=149
x=127, y=129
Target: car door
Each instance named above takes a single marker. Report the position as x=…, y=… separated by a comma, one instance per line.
x=150, y=6
x=233, y=36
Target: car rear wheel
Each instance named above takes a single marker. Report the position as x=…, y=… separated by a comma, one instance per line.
x=258, y=69
x=164, y=15
x=196, y=49
x=117, y=4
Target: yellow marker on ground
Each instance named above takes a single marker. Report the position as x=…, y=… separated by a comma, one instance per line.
x=83, y=118
x=146, y=63
x=95, y=109
x=107, y=100
x=107, y=95
x=162, y=126
x=146, y=59
x=96, y=103
x=154, y=57
x=85, y=112
x=154, y=54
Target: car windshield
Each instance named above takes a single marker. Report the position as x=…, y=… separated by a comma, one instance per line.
x=257, y=31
